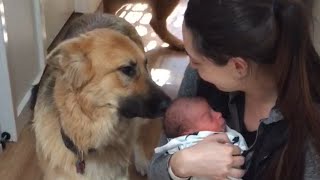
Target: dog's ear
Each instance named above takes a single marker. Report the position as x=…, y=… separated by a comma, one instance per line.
x=71, y=59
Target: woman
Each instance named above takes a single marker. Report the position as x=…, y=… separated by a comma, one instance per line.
x=257, y=60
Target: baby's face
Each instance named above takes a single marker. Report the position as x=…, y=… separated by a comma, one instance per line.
x=209, y=118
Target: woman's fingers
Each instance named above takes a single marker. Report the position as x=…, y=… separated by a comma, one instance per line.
x=232, y=178
x=238, y=161
x=223, y=139
x=236, y=151
x=236, y=173
x=219, y=137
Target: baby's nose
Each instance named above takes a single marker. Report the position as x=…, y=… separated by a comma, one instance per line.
x=216, y=115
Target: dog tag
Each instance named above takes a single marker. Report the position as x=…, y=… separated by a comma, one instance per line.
x=81, y=165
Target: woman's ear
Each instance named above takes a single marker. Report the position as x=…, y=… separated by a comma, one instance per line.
x=239, y=67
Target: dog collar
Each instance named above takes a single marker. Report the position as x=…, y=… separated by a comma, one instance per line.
x=80, y=164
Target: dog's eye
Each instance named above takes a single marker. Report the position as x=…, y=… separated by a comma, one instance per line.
x=128, y=70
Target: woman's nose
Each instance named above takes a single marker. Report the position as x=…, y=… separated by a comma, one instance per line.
x=193, y=65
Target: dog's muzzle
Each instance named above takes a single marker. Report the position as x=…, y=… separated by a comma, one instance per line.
x=150, y=105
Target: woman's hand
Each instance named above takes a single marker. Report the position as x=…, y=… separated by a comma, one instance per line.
x=214, y=158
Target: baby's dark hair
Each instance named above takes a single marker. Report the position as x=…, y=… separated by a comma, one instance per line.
x=177, y=113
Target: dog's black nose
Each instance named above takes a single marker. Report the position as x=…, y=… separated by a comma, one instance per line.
x=163, y=106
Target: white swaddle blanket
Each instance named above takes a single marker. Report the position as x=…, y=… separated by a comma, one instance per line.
x=182, y=142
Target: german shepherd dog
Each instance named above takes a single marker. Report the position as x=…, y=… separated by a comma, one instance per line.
x=161, y=9
x=91, y=96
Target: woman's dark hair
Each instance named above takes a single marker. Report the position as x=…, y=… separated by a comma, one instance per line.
x=277, y=33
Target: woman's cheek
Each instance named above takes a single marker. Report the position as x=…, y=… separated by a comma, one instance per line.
x=202, y=73
x=207, y=77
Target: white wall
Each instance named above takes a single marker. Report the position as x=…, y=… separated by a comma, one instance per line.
x=56, y=13
x=22, y=47
x=86, y=6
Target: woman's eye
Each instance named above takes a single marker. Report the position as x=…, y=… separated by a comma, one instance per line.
x=128, y=70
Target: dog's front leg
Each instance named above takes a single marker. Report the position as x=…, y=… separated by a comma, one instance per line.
x=161, y=10
x=141, y=161
x=148, y=136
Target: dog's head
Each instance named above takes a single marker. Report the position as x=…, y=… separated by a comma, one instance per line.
x=102, y=76
x=106, y=69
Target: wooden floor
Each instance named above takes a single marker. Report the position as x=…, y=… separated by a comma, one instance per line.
x=19, y=162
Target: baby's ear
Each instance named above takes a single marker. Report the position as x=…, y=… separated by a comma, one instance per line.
x=71, y=60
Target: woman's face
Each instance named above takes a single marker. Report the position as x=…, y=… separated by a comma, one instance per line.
x=225, y=78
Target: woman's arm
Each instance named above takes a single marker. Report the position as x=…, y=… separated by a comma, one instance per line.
x=158, y=169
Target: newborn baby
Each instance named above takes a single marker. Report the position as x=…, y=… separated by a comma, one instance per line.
x=191, y=115
x=189, y=120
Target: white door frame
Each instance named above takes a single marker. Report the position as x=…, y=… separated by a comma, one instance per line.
x=7, y=112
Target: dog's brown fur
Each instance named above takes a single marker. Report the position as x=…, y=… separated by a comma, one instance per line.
x=85, y=92
x=161, y=9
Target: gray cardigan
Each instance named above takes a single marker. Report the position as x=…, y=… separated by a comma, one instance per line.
x=158, y=169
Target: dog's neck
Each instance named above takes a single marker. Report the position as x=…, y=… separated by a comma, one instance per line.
x=80, y=164
x=69, y=143
x=72, y=142
x=76, y=117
